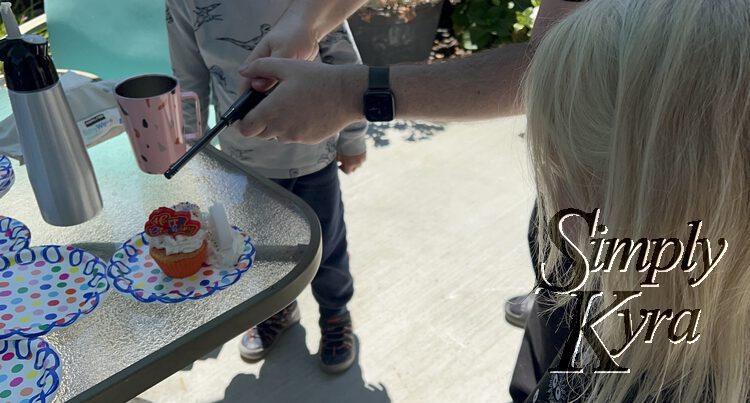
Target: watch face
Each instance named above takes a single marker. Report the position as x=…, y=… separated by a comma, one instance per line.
x=379, y=106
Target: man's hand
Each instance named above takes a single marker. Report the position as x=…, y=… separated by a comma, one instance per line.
x=313, y=101
x=281, y=42
x=287, y=43
x=298, y=31
x=350, y=163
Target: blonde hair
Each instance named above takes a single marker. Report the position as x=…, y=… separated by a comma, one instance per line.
x=642, y=108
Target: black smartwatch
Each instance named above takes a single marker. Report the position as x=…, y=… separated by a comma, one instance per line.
x=379, y=102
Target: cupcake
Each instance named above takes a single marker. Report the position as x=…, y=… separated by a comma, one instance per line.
x=177, y=240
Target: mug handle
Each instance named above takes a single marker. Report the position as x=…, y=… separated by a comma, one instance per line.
x=199, y=123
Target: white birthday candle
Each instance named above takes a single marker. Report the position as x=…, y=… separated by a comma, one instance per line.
x=220, y=223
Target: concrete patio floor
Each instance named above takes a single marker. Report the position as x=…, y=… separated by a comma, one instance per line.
x=437, y=228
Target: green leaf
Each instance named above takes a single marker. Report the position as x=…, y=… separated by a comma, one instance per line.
x=460, y=22
x=489, y=23
x=466, y=42
x=476, y=14
x=495, y=12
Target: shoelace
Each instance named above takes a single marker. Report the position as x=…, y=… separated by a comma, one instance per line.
x=271, y=327
x=336, y=336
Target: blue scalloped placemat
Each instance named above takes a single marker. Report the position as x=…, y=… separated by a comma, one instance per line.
x=28, y=371
x=7, y=177
x=134, y=272
x=14, y=235
x=48, y=287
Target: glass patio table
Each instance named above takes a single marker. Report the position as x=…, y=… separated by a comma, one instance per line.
x=125, y=346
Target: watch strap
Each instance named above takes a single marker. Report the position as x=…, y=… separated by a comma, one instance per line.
x=379, y=78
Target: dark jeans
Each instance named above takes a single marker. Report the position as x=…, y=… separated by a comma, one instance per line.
x=333, y=285
x=543, y=336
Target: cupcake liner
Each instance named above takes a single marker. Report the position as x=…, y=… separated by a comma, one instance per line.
x=181, y=265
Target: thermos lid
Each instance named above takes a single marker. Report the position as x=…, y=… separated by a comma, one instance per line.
x=26, y=61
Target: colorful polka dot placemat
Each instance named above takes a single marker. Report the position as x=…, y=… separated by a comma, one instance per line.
x=14, y=235
x=48, y=287
x=133, y=271
x=28, y=371
x=7, y=177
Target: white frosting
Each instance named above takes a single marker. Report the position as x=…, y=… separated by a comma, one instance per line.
x=179, y=244
x=219, y=254
x=228, y=257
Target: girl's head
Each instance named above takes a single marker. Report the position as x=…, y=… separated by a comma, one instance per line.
x=642, y=108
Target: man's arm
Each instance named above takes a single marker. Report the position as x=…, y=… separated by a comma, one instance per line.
x=479, y=87
x=318, y=101
x=486, y=85
x=303, y=25
x=314, y=101
x=321, y=16
x=338, y=49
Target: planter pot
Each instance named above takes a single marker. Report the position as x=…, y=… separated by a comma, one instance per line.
x=384, y=40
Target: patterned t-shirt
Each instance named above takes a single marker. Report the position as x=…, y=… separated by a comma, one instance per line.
x=210, y=39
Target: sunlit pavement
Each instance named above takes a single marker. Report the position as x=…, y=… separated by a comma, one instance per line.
x=437, y=224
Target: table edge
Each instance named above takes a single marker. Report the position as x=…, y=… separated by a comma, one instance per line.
x=159, y=365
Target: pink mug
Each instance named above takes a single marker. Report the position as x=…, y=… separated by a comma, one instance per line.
x=151, y=109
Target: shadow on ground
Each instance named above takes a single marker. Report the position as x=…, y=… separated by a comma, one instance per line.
x=213, y=354
x=411, y=131
x=290, y=373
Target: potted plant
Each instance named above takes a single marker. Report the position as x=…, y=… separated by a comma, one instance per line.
x=395, y=31
x=484, y=24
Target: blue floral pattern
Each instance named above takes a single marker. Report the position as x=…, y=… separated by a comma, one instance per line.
x=134, y=272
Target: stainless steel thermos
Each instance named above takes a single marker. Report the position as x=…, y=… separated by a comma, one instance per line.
x=57, y=163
